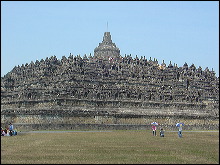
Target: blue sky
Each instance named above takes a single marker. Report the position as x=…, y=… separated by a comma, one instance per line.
x=181, y=31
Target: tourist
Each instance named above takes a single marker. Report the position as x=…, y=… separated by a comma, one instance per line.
x=15, y=132
x=162, y=132
x=5, y=132
x=180, y=131
x=11, y=129
x=2, y=132
x=154, y=128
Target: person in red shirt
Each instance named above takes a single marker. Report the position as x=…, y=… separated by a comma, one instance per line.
x=154, y=128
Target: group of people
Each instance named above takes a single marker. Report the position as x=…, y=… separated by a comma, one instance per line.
x=8, y=131
x=154, y=128
x=162, y=131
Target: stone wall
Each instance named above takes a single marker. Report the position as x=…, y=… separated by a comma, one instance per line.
x=104, y=119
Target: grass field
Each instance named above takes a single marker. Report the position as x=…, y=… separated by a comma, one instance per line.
x=127, y=147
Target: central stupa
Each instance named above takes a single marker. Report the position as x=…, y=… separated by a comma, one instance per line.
x=107, y=50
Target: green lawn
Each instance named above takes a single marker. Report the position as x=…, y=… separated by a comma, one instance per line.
x=111, y=147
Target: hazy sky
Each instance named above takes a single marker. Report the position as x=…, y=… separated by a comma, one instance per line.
x=181, y=31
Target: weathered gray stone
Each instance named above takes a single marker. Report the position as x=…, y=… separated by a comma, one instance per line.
x=108, y=89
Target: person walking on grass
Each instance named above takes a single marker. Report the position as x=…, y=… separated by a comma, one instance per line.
x=179, y=125
x=180, y=131
x=154, y=128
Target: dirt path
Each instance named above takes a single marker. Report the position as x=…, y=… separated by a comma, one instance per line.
x=95, y=131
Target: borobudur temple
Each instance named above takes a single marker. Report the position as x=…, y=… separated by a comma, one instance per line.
x=108, y=91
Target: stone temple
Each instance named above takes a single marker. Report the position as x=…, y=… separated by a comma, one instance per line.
x=108, y=91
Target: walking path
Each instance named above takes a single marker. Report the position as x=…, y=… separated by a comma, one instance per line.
x=97, y=131
x=193, y=131
x=58, y=131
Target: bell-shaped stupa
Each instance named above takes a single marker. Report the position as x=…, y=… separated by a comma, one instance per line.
x=107, y=50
